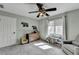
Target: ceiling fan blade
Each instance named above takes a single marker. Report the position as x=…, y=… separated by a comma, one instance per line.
x=38, y=15
x=47, y=14
x=33, y=12
x=39, y=5
x=51, y=9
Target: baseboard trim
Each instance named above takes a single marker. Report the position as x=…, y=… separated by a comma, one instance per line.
x=9, y=45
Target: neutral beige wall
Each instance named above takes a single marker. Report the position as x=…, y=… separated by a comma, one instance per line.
x=72, y=24
x=43, y=25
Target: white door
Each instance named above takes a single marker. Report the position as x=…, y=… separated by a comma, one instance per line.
x=7, y=31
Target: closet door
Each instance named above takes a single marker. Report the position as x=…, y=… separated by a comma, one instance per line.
x=7, y=31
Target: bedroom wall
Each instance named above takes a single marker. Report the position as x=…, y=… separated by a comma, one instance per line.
x=43, y=27
x=20, y=30
x=23, y=30
x=72, y=24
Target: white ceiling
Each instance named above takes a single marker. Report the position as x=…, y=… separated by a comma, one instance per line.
x=24, y=8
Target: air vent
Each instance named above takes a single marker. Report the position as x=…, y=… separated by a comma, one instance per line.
x=1, y=6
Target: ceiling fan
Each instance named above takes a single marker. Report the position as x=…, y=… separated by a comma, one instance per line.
x=42, y=11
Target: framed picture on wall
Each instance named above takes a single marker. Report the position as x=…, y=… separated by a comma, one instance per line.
x=24, y=24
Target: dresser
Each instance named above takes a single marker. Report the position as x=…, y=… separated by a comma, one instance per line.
x=34, y=36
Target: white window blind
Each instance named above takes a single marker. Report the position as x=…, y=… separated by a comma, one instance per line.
x=55, y=26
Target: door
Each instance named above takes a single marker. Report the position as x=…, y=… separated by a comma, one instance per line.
x=7, y=31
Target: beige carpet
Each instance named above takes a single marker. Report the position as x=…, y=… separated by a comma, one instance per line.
x=34, y=48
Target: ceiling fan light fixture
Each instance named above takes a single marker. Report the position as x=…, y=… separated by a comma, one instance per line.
x=41, y=14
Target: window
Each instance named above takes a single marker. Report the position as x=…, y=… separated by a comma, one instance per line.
x=51, y=27
x=55, y=27
x=59, y=30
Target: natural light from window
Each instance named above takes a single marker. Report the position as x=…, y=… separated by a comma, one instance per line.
x=43, y=45
x=55, y=27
